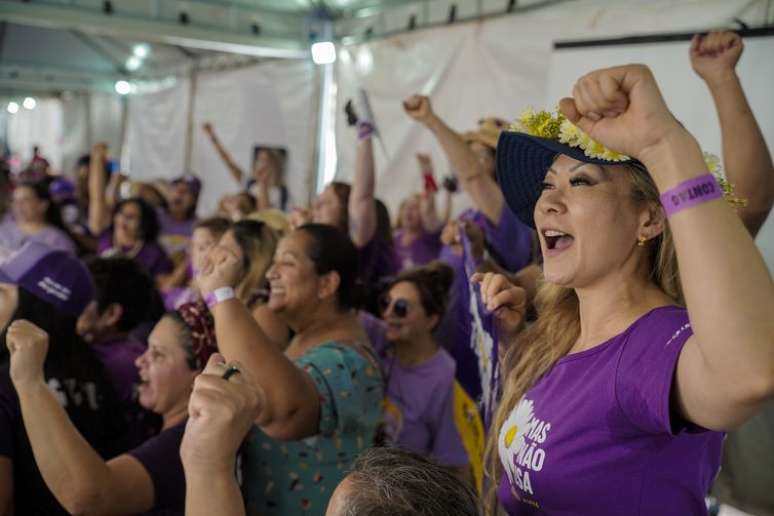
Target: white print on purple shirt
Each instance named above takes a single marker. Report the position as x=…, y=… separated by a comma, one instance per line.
x=483, y=345
x=519, y=445
x=676, y=334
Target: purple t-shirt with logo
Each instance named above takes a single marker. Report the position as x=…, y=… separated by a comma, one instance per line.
x=510, y=240
x=419, y=404
x=160, y=456
x=12, y=238
x=150, y=256
x=175, y=236
x=597, y=434
x=421, y=251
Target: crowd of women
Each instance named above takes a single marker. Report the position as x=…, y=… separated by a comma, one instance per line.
x=316, y=360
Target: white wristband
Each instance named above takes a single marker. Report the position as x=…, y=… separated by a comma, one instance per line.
x=219, y=295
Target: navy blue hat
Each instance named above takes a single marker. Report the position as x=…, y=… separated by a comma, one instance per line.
x=522, y=163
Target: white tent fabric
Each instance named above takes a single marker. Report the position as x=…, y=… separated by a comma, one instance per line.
x=497, y=67
x=156, y=132
x=41, y=126
x=272, y=103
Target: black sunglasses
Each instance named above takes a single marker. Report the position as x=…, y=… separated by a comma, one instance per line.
x=400, y=306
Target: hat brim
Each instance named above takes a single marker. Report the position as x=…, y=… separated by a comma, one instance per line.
x=522, y=163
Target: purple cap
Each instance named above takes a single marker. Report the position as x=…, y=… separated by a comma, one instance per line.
x=193, y=182
x=56, y=277
x=61, y=188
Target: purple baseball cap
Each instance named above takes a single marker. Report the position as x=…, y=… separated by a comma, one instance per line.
x=56, y=277
x=193, y=182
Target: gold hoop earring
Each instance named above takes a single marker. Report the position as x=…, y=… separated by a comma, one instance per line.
x=641, y=241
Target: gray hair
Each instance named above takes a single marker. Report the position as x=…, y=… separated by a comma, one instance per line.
x=394, y=482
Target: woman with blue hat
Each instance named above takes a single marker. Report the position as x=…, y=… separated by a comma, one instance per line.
x=615, y=400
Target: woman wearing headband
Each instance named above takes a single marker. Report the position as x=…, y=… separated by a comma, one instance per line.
x=148, y=479
x=615, y=399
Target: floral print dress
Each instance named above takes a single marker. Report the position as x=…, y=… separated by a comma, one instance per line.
x=298, y=477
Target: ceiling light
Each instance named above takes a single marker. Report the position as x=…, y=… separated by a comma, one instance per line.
x=141, y=51
x=133, y=63
x=13, y=107
x=29, y=103
x=323, y=52
x=123, y=87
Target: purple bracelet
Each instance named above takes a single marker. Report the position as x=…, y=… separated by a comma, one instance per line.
x=690, y=193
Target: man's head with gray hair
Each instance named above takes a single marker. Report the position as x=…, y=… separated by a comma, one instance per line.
x=394, y=482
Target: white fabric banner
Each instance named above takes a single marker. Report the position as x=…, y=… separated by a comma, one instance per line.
x=155, y=134
x=497, y=67
x=271, y=104
x=41, y=126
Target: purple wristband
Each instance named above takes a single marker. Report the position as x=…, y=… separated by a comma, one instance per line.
x=364, y=130
x=690, y=193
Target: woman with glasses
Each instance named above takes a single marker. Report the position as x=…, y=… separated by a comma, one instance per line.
x=420, y=388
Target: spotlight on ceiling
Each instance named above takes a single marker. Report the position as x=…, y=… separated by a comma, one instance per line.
x=13, y=107
x=323, y=52
x=141, y=51
x=133, y=63
x=123, y=87
x=29, y=103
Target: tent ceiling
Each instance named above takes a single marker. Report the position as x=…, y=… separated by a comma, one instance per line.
x=49, y=46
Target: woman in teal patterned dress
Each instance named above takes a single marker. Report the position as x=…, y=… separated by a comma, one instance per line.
x=321, y=397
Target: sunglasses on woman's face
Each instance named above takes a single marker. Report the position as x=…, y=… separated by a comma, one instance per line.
x=399, y=306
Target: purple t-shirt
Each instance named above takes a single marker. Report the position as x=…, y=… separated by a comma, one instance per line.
x=151, y=256
x=597, y=435
x=175, y=297
x=419, y=401
x=160, y=456
x=510, y=240
x=11, y=238
x=118, y=358
x=422, y=250
x=175, y=236
x=377, y=262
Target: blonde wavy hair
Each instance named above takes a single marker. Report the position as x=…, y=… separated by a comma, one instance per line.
x=258, y=242
x=557, y=328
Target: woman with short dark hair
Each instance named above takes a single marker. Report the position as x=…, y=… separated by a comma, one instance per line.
x=322, y=395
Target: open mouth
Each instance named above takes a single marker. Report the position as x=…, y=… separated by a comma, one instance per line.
x=557, y=240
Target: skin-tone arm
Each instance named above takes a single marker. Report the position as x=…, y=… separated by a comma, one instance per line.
x=220, y=413
x=447, y=208
x=725, y=372
x=276, y=330
x=236, y=171
x=176, y=279
x=745, y=155
x=99, y=211
x=264, y=183
x=291, y=409
x=6, y=486
x=431, y=222
x=362, y=203
x=479, y=185
x=76, y=475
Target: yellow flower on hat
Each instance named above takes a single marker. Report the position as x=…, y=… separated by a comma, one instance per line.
x=714, y=166
x=554, y=126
